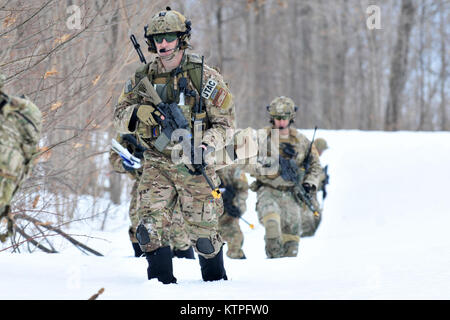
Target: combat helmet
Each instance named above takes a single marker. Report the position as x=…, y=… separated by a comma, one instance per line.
x=282, y=106
x=321, y=144
x=168, y=21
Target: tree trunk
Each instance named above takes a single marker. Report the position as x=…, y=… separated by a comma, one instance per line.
x=399, y=63
x=219, y=35
x=442, y=24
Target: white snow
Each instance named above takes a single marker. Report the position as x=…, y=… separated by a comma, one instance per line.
x=384, y=235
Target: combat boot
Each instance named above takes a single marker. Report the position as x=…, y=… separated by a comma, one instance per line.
x=160, y=265
x=236, y=255
x=188, y=253
x=213, y=269
x=274, y=243
x=291, y=249
x=137, y=250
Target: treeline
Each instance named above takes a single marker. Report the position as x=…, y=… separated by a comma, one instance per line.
x=72, y=58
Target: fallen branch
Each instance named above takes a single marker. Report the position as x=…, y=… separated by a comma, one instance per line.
x=58, y=231
x=95, y=296
x=34, y=242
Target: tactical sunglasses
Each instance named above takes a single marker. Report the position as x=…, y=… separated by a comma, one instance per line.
x=283, y=117
x=168, y=36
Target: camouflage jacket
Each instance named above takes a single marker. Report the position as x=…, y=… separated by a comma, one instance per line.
x=301, y=145
x=218, y=107
x=21, y=124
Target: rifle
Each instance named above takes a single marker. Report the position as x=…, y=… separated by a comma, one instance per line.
x=291, y=172
x=138, y=48
x=173, y=117
x=198, y=124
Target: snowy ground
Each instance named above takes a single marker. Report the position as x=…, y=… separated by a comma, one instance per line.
x=384, y=235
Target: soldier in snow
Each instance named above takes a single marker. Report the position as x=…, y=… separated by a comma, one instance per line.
x=234, y=197
x=311, y=221
x=177, y=77
x=20, y=129
x=293, y=179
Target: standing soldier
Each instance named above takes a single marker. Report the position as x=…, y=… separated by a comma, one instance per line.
x=280, y=193
x=234, y=197
x=20, y=131
x=311, y=221
x=179, y=239
x=207, y=106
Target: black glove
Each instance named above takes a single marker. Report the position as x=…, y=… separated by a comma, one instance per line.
x=127, y=168
x=228, y=196
x=308, y=188
x=233, y=211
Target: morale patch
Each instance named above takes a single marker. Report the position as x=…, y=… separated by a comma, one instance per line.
x=209, y=88
x=220, y=97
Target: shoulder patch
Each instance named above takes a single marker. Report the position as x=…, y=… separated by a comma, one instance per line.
x=221, y=98
x=209, y=88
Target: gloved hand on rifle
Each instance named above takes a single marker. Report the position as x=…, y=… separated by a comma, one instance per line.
x=309, y=188
x=149, y=115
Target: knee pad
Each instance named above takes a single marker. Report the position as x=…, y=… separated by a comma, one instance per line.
x=272, y=224
x=204, y=245
x=142, y=235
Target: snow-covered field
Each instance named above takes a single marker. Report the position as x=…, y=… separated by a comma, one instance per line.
x=384, y=235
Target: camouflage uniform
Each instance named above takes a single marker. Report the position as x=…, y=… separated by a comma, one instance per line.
x=164, y=183
x=276, y=205
x=229, y=225
x=178, y=236
x=19, y=135
x=311, y=221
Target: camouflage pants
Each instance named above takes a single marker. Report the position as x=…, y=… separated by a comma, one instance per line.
x=310, y=222
x=281, y=216
x=161, y=186
x=231, y=232
x=179, y=239
x=12, y=173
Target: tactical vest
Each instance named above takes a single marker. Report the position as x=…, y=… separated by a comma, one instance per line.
x=276, y=181
x=166, y=85
x=293, y=139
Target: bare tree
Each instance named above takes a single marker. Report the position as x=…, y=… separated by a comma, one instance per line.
x=399, y=64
